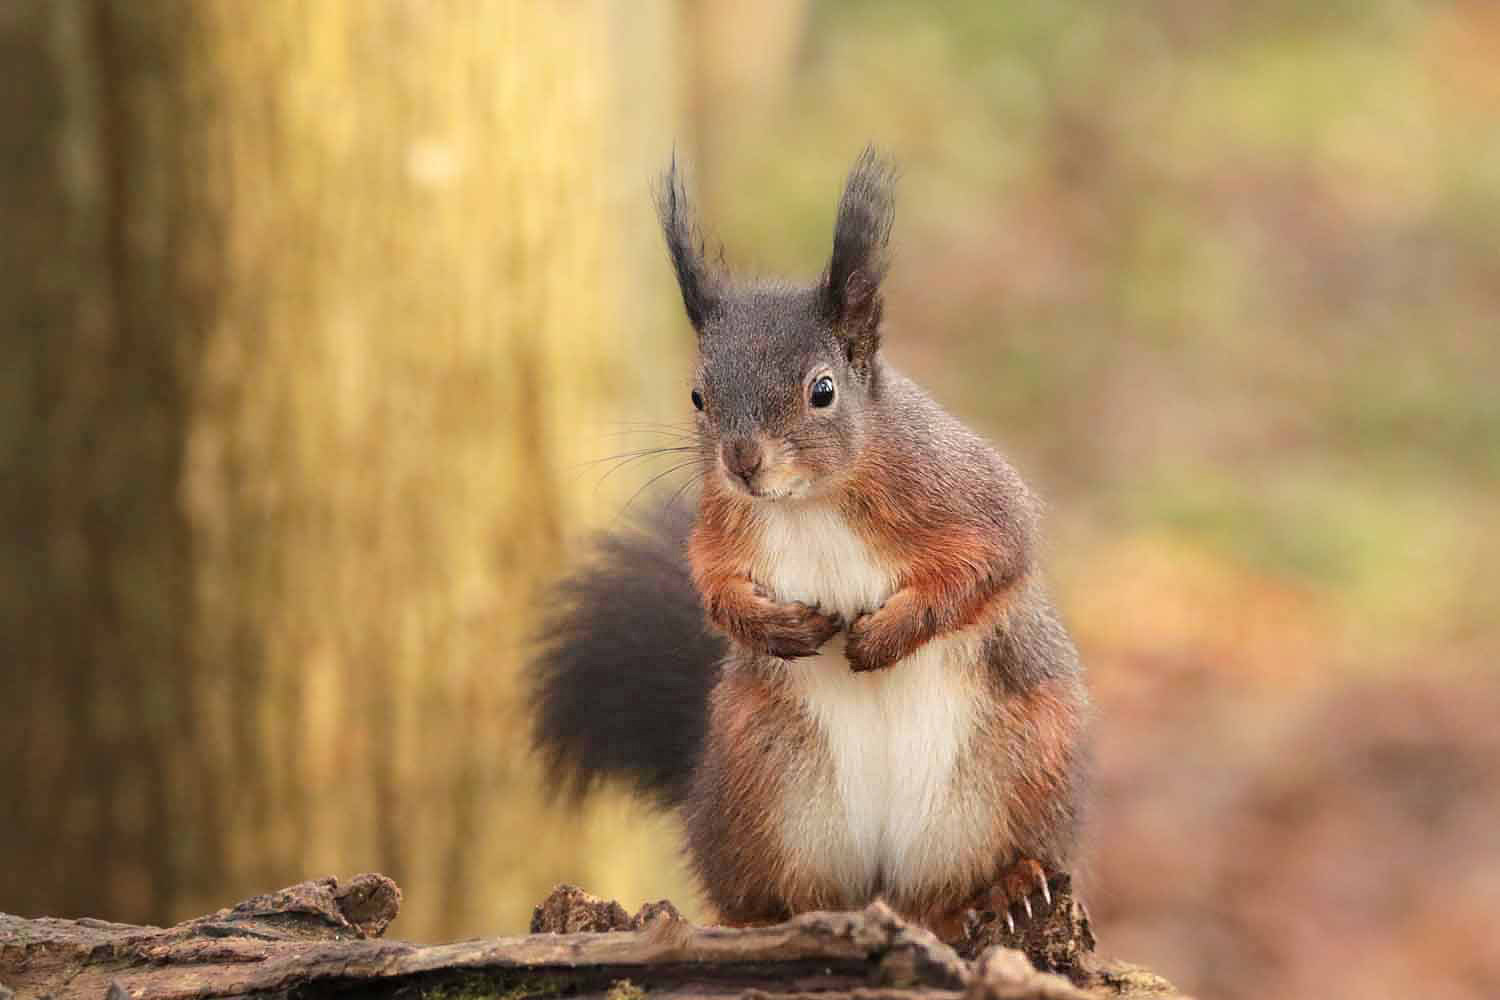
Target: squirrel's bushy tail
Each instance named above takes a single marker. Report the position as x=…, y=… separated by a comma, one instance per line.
x=625, y=666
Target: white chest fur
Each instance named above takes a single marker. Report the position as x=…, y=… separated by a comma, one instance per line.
x=809, y=553
x=889, y=816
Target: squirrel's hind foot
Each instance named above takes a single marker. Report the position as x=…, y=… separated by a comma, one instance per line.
x=1018, y=895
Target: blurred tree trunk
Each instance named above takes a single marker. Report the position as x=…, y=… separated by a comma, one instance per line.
x=313, y=312
x=97, y=550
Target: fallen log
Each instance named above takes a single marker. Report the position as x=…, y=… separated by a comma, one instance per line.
x=322, y=938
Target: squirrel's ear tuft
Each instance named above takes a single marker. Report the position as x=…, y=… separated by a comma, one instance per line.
x=700, y=292
x=850, y=293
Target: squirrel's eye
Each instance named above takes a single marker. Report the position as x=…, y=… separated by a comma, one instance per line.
x=822, y=392
x=697, y=400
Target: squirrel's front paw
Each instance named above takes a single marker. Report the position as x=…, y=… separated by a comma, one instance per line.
x=792, y=630
x=868, y=646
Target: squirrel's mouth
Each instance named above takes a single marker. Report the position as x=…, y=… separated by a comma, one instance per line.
x=769, y=487
x=773, y=495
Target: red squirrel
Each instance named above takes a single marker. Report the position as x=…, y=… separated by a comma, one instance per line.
x=876, y=699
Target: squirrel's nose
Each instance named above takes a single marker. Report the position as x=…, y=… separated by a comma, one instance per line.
x=742, y=457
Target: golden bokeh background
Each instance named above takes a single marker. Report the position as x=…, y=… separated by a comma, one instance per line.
x=322, y=316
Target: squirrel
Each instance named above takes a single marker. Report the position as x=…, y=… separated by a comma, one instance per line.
x=842, y=670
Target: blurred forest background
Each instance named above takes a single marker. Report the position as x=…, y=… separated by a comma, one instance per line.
x=317, y=316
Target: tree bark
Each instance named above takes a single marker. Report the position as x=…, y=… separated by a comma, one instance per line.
x=319, y=938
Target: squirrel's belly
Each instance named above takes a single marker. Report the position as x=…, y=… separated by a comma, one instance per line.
x=889, y=810
x=897, y=811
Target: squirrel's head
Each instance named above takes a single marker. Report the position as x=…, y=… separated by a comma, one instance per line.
x=786, y=373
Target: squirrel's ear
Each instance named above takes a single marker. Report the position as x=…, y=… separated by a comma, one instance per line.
x=700, y=291
x=850, y=293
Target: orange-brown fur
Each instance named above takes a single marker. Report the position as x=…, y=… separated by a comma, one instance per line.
x=957, y=574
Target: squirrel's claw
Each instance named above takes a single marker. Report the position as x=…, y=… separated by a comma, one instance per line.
x=1006, y=906
x=1011, y=894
